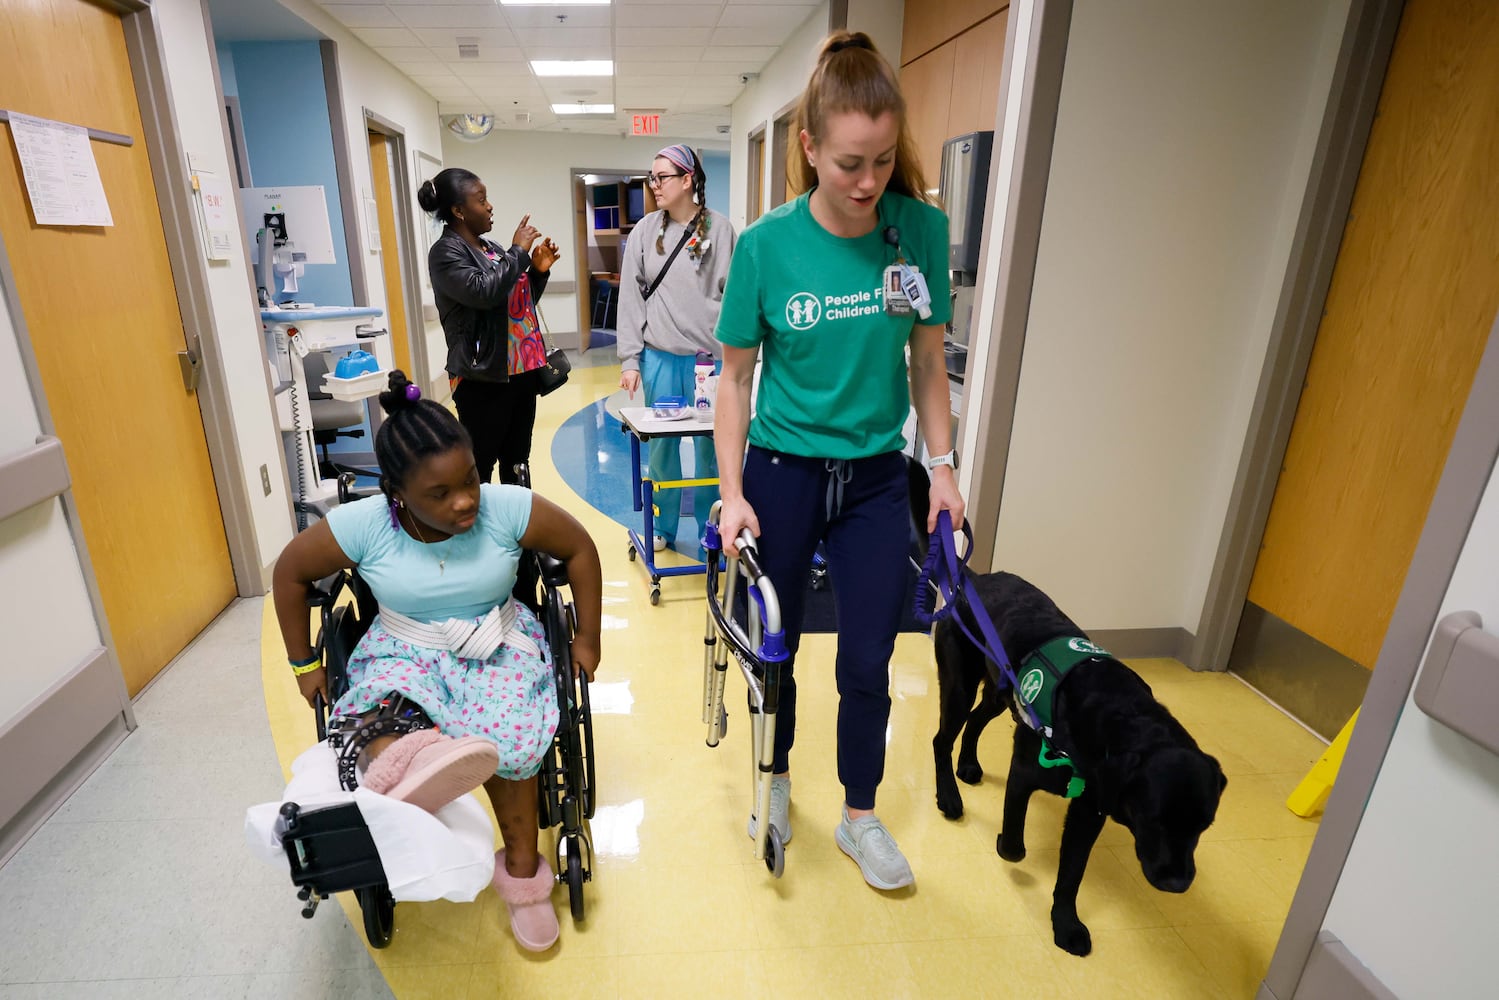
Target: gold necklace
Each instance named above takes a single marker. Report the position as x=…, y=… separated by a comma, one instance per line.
x=442, y=560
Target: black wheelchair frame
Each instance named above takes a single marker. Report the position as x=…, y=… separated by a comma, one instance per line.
x=330, y=848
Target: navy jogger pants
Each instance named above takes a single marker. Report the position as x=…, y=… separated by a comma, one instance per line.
x=861, y=509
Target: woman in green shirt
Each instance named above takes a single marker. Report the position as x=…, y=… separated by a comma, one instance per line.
x=810, y=293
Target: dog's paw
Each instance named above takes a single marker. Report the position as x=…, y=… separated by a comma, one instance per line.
x=1072, y=937
x=970, y=773
x=950, y=802
x=1014, y=854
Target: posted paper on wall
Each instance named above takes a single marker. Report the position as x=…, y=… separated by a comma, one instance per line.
x=62, y=177
x=216, y=197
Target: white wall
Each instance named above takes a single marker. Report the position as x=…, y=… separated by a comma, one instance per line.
x=531, y=173
x=1183, y=144
x=40, y=575
x=1415, y=901
x=186, y=49
x=882, y=21
x=369, y=82
x=781, y=82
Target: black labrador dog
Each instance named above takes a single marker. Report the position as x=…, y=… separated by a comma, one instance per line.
x=1140, y=767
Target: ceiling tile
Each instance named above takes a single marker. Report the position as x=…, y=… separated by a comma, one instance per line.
x=477, y=71
x=363, y=15
x=443, y=38
x=751, y=35
x=741, y=55
x=450, y=16
x=569, y=52
x=653, y=15
x=565, y=38
x=405, y=53
x=783, y=16
x=686, y=37
x=385, y=37
x=637, y=56
x=546, y=17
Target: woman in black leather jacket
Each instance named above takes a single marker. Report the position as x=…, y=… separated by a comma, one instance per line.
x=473, y=280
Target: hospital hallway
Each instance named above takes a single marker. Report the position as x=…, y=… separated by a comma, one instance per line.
x=141, y=885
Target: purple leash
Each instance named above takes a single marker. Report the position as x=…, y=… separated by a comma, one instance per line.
x=944, y=568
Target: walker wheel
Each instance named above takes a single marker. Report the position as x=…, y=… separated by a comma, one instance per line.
x=632, y=552
x=575, y=878
x=655, y=595
x=379, y=908
x=775, y=853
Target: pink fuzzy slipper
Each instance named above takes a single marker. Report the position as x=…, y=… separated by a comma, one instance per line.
x=429, y=770
x=529, y=900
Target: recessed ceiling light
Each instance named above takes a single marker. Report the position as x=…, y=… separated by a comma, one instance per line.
x=582, y=109
x=572, y=67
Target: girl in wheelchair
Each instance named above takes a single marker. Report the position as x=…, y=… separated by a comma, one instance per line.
x=440, y=552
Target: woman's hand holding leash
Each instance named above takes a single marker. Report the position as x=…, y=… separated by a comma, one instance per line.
x=944, y=495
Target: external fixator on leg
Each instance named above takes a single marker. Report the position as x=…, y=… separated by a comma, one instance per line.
x=396, y=716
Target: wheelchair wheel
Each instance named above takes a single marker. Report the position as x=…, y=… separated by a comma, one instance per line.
x=379, y=908
x=775, y=854
x=575, y=877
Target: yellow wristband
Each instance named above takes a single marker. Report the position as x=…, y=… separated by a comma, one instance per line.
x=306, y=668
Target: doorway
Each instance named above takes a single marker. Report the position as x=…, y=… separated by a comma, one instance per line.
x=108, y=349
x=607, y=205
x=1413, y=291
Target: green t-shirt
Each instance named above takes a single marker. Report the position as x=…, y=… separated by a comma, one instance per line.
x=833, y=378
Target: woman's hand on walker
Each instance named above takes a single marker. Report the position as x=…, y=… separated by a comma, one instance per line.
x=630, y=382
x=312, y=683
x=585, y=654
x=944, y=495
x=733, y=517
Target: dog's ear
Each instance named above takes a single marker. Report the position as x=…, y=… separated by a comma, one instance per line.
x=1111, y=778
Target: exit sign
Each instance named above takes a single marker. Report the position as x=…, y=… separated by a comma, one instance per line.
x=645, y=124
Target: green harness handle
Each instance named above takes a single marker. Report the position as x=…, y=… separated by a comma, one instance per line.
x=1075, y=784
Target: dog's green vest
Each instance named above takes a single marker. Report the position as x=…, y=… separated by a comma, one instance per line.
x=1037, y=681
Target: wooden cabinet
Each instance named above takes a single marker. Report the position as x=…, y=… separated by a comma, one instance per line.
x=954, y=88
x=930, y=23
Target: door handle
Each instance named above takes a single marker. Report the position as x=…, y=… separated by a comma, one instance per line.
x=190, y=362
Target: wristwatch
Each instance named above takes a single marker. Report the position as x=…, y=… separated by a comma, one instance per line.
x=950, y=459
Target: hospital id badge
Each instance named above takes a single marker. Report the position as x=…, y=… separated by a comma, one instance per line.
x=896, y=301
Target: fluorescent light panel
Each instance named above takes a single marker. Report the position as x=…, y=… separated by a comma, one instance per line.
x=572, y=67
x=582, y=109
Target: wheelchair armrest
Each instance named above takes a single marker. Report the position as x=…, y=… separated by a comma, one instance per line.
x=553, y=570
x=324, y=592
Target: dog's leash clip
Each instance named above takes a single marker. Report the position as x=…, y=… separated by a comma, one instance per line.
x=1052, y=757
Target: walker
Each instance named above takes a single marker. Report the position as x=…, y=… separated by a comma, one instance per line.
x=760, y=653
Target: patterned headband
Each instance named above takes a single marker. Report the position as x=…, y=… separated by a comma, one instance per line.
x=681, y=156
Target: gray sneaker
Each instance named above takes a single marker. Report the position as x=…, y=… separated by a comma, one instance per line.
x=780, y=809
x=868, y=842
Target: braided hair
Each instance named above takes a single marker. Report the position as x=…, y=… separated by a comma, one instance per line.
x=687, y=158
x=414, y=429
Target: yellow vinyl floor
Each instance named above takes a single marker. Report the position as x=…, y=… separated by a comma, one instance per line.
x=679, y=906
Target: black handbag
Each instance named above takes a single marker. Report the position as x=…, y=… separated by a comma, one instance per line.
x=552, y=375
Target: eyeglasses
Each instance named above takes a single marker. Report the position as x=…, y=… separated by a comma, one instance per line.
x=656, y=180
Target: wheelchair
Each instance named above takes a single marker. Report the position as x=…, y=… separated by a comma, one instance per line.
x=330, y=848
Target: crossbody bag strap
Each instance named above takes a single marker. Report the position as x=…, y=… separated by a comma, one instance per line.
x=646, y=296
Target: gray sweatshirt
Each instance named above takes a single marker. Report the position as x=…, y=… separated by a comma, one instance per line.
x=683, y=311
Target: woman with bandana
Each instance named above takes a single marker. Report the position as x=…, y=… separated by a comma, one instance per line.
x=676, y=262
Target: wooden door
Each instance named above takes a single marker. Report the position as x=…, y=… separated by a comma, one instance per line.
x=101, y=309
x=390, y=251
x=1413, y=295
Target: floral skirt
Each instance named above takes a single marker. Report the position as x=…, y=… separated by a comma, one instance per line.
x=509, y=698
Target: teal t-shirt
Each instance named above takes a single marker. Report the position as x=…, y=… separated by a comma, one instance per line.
x=462, y=577
x=833, y=380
